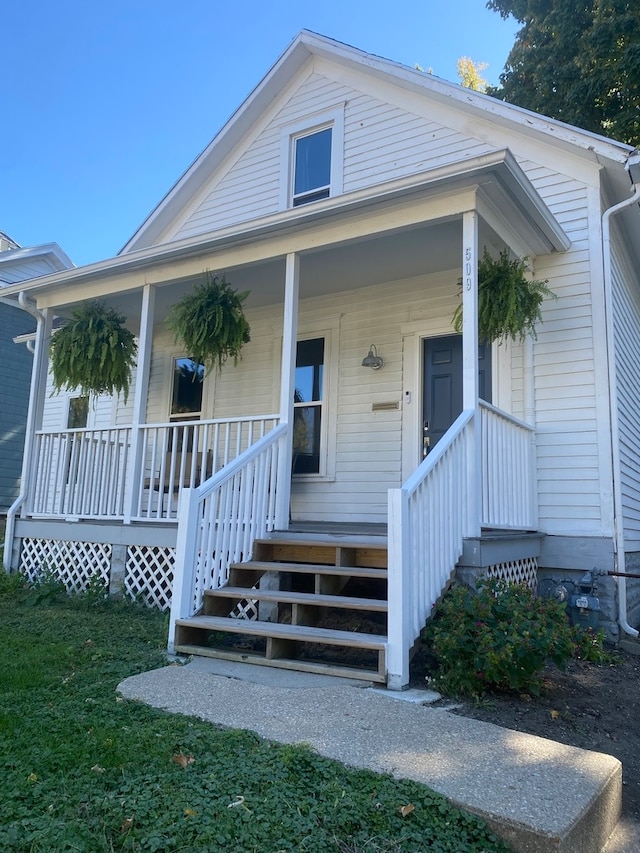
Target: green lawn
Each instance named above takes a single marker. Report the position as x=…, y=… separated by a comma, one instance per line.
x=83, y=770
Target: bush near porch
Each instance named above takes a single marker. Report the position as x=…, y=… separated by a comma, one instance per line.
x=82, y=769
x=500, y=636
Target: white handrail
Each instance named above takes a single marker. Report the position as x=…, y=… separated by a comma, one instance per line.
x=80, y=473
x=509, y=481
x=91, y=473
x=220, y=520
x=428, y=520
x=430, y=516
x=183, y=454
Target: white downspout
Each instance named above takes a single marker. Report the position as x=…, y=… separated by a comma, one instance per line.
x=618, y=520
x=30, y=428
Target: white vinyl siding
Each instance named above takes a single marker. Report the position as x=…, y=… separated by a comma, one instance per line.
x=380, y=142
x=570, y=477
x=626, y=319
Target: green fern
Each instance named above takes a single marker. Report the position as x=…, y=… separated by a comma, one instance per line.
x=509, y=304
x=209, y=322
x=94, y=352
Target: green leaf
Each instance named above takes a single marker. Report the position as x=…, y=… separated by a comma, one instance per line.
x=209, y=322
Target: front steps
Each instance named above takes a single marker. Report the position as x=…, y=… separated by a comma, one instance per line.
x=320, y=605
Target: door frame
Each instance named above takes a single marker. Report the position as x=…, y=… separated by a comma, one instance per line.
x=413, y=337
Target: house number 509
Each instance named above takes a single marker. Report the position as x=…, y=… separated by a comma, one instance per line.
x=467, y=268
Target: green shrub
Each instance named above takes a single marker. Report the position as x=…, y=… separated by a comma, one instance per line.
x=497, y=638
x=589, y=645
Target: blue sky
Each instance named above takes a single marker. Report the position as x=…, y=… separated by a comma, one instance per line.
x=106, y=104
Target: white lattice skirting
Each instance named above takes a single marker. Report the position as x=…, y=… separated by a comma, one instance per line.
x=149, y=575
x=516, y=571
x=148, y=570
x=73, y=563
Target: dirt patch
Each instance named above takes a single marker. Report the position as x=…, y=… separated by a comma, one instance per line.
x=590, y=706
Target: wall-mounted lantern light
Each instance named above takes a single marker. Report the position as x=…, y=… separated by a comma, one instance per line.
x=372, y=359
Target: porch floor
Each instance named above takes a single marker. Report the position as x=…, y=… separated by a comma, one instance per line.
x=350, y=529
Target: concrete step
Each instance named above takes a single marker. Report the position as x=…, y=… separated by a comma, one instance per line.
x=538, y=795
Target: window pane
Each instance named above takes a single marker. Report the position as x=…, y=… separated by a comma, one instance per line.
x=306, y=439
x=312, y=162
x=307, y=419
x=78, y=412
x=188, y=376
x=309, y=370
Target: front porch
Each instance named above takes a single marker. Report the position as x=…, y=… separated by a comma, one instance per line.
x=192, y=547
x=382, y=270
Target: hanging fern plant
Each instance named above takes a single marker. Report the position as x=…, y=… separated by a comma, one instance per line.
x=209, y=322
x=509, y=304
x=94, y=352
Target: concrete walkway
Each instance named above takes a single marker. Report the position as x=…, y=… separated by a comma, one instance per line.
x=538, y=795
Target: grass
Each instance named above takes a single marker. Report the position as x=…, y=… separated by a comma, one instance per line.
x=83, y=770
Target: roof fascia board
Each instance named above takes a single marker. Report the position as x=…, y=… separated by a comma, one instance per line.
x=477, y=101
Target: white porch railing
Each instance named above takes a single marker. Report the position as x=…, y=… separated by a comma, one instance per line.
x=220, y=520
x=182, y=455
x=428, y=520
x=91, y=473
x=430, y=516
x=508, y=453
x=80, y=472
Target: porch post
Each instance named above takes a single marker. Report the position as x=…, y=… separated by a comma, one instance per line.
x=37, y=392
x=140, y=396
x=470, y=364
x=287, y=387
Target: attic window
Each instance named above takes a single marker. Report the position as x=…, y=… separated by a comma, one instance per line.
x=312, y=159
x=312, y=166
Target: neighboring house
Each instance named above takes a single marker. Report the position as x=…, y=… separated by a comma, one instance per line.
x=16, y=265
x=350, y=195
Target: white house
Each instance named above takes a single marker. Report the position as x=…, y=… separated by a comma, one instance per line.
x=349, y=195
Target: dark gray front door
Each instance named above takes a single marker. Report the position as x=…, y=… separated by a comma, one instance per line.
x=442, y=395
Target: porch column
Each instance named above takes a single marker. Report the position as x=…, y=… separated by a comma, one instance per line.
x=470, y=364
x=37, y=393
x=287, y=387
x=140, y=396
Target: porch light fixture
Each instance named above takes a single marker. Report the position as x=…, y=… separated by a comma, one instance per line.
x=372, y=359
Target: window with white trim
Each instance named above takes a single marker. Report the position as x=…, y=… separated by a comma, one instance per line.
x=311, y=166
x=312, y=159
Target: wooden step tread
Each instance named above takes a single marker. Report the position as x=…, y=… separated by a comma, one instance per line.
x=286, y=597
x=282, y=663
x=312, y=569
x=366, y=545
x=301, y=633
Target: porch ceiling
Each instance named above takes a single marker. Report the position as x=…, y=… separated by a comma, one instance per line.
x=420, y=250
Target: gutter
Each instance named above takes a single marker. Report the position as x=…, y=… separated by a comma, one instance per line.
x=633, y=167
x=28, y=440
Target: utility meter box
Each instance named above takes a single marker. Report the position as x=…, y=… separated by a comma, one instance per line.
x=584, y=610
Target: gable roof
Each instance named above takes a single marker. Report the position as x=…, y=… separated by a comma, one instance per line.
x=301, y=51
